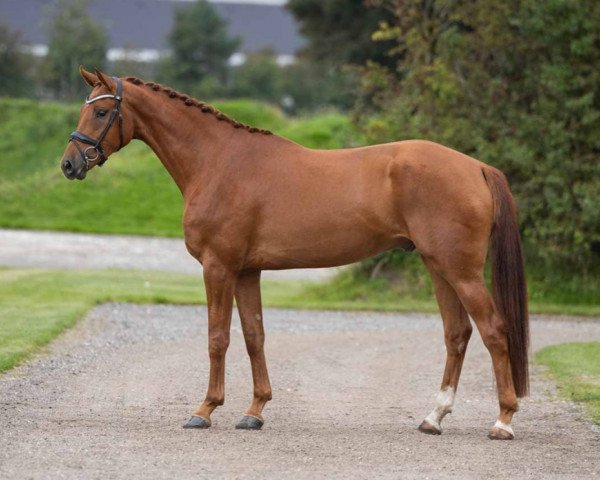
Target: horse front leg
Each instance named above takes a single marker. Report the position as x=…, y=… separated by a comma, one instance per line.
x=219, y=283
x=247, y=295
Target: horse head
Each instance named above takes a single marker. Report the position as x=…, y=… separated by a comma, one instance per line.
x=102, y=128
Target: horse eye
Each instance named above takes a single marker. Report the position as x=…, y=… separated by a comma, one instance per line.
x=100, y=113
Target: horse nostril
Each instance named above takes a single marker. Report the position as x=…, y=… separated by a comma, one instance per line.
x=68, y=166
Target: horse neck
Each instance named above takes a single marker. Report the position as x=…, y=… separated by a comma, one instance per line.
x=185, y=139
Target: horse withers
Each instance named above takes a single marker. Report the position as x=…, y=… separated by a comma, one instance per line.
x=255, y=201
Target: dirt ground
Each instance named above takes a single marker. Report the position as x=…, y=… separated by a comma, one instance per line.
x=108, y=398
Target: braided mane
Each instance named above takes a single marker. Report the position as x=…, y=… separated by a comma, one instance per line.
x=192, y=102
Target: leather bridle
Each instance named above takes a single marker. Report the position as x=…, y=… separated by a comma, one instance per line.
x=96, y=145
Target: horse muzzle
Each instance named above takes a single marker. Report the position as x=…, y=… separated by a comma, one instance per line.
x=73, y=169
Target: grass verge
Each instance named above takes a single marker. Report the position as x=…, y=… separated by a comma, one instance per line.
x=36, y=305
x=576, y=369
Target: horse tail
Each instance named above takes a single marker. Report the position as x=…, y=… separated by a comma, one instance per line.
x=508, y=277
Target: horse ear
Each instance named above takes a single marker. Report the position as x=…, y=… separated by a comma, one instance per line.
x=107, y=82
x=89, y=77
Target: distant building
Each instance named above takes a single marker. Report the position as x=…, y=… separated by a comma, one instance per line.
x=138, y=29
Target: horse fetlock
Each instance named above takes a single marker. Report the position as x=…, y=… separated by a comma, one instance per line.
x=444, y=405
x=445, y=401
x=264, y=395
x=213, y=401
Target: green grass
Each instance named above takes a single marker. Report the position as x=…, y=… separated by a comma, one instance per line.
x=36, y=305
x=32, y=135
x=133, y=194
x=576, y=369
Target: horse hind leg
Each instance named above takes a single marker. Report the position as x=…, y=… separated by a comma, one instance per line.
x=478, y=302
x=457, y=331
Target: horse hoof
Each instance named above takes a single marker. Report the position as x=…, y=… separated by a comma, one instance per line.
x=429, y=429
x=197, y=422
x=500, y=434
x=248, y=422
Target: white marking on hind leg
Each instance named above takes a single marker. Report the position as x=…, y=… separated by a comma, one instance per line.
x=445, y=402
x=504, y=426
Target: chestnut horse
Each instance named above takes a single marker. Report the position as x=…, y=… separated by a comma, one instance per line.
x=255, y=201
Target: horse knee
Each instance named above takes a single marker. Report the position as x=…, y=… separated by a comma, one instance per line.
x=218, y=343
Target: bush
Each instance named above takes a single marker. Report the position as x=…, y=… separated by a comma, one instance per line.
x=14, y=78
x=74, y=39
x=514, y=84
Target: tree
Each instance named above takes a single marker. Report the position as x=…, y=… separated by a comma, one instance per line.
x=339, y=34
x=339, y=31
x=201, y=48
x=296, y=87
x=314, y=86
x=74, y=39
x=515, y=84
x=259, y=77
x=14, y=80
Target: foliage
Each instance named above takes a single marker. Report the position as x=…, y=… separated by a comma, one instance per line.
x=513, y=83
x=14, y=78
x=74, y=39
x=550, y=290
x=339, y=31
x=339, y=39
x=259, y=77
x=299, y=87
x=313, y=86
x=576, y=367
x=201, y=48
x=325, y=130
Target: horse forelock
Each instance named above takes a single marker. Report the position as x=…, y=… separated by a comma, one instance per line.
x=193, y=102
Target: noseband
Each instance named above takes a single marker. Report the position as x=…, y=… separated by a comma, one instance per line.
x=96, y=145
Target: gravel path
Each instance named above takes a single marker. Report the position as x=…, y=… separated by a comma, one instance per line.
x=108, y=398
x=44, y=249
